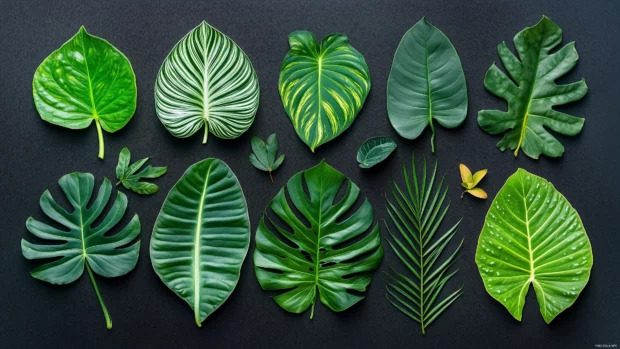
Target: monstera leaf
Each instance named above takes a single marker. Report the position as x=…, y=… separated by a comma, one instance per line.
x=532, y=235
x=327, y=252
x=84, y=244
x=323, y=86
x=426, y=83
x=531, y=99
x=86, y=80
x=201, y=237
x=206, y=80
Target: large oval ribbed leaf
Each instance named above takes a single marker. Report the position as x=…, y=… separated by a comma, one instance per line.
x=326, y=252
x=201, y=236
x=86, y=79
x=426, y=83
x=531, y=100
x=84, y=244
x=323, y=86
x=206, y=80
x=532, y=235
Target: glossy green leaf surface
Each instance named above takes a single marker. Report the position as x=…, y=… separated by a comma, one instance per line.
x=375, y=150
x=132, y=179
x=80, y=243
x=532, y=235
x=85, y=80
x=416, y=213
x=323, y=86
x=206, y=80
x=263, y=155
x=201, y=237
x=327, y=253
x=532, y=92
x=426, y=83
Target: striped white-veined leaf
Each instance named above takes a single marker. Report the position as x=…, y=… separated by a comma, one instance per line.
x=206, y=80
x=323, y=86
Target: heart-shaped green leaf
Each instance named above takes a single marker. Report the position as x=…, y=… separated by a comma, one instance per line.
x=532, y=235
x=426, y=83
x=323, y=86
x=201, y=237
x=531, y=100
x=206, y=80
x=83, y=245
x=375, y=150
x=326, y=252
x=86, y=79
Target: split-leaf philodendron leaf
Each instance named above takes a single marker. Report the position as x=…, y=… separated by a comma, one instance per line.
x=319, y=257
x=323, y=86
x=263, y=155
x=206, y=80
x=532, y=98
x=201, y=237
x=426, y=83
x=375, y=150
x=532, y=235
x=85, y=80
x=83, y=244
x=131, y=178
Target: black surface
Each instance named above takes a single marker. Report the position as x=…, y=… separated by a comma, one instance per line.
x=146, y=314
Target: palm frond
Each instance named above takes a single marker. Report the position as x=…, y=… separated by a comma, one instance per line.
x=416, y=212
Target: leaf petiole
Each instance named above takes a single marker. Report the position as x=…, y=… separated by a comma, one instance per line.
x=100, y=135
x=270, y=176
x=108, y=320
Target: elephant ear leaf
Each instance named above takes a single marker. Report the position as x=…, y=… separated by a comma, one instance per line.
x=323, y=86
x=532, y=235
x=206, y=80
x=327, y=253
x=532, y=93
x=426, y=83
x=84, y=244
x=201, y=237
x=85, y=80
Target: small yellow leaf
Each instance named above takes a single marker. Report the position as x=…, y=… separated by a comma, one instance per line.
x=478, y=177
x=465, y=174
x=477, y=192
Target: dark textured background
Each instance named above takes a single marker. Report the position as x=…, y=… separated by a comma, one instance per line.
x=146, y=314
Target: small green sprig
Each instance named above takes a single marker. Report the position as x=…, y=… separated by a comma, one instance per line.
x=130, y=177
x=263, y=155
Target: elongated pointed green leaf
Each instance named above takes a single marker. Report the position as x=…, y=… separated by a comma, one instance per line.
x=324, y=260
x=416, y=221
x=206, y=80
x=532, y=235
x=84, y=244
x=426, y=83
x=201, y=237
x=375, y=150
x=86, y=79
x=532, y=98
x=323, y=86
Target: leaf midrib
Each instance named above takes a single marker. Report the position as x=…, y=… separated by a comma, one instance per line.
x=196, y=261
x=529, y=103
x=90, y=86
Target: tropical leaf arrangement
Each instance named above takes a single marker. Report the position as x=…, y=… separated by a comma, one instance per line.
x=470, y=181
x=532, y=92
x=201, y=237
x=328, y=254
x=426, y=83
x=81, y=242
x=263, y=155
x=374, y=151
x=533, y=236
x=86, y=80
x=323, y=86
x=206, y=81
x=416, y=213
x=131, y=179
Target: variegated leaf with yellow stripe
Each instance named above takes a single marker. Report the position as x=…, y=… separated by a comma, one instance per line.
x=323, y=86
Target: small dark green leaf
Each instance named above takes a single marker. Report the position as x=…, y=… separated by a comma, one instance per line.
x=375, y=150
x=130, y=177
x=264, y=154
